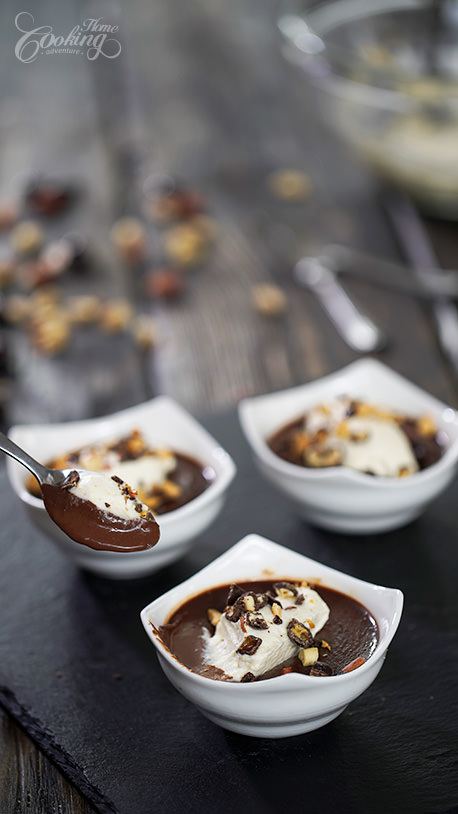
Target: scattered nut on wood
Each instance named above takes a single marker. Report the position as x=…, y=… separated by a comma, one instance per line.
x=129, y=237
x=84, y=309
x=164, y=283
x=58, y=256
x=9, y=213
x=268, y=299
x=17, y=309
x=7, y=269
x=27, y=237
x=176, y=204
x=290, y=185
x=51, y=335
x=116, y=315
x=49, y=196
x=144, y=332
x=185, y=245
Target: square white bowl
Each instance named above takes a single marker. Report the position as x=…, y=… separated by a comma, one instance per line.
x=289, y=704
x=163, y=423
x=341, y=498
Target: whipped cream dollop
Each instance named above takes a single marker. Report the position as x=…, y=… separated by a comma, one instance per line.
x=259, y=631
x=110, y=493
x=142, y=473
x=374, y=442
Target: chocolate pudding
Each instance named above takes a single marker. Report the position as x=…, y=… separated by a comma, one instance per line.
x=114, y=520
x=370, y=439
x=343, y=643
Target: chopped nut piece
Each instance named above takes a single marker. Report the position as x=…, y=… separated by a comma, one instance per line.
x=51, y=335
x=290, y=185
x=359, y=436
x=8, y=215
x=426, y=426
x=17, y=309
x=321, y=457
x=298, y=632
x=249, y=603
x=308, y=656
x=176, y=204
x=84, y=309
x=343, y=430
x=185, y=245
x=320, y=669
x=144, y=331
x=300, y=442
x=234, y=592
x=286, y=590
x=247, y=677
x=256, y=620
x=116, y=315
x=48, y=196
x=353, y=664
x=213, y=616
x=128, y=235
x=171, y=489
x=268, y=299
x=249, y=646
x=7, y=269
x=164, y=283
x=325, y=645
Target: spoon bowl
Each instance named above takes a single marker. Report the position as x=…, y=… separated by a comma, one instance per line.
x=94, y=509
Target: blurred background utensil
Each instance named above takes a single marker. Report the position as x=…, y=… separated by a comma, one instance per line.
x=356, y=328
x=418, y=251
x=428, y=283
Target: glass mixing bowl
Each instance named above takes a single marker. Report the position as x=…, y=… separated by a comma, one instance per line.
x=385, y=76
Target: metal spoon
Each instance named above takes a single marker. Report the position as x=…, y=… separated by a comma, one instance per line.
x=43, y=474
x=355, y=328
x=80, y=518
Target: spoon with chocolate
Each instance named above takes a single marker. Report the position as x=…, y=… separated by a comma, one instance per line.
x=95, y=509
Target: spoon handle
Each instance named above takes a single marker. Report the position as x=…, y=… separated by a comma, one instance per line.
x=356, y=328
x=7, y=445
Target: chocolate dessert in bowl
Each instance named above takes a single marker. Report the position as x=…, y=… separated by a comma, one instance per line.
x=177, y=470
x=267, y=642
x=361, y=450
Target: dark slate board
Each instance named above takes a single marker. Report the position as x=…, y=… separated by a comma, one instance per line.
x=79, y=674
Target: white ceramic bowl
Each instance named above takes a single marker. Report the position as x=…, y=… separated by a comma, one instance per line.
x=340, y=498
x=288, y=704
x=163, y=423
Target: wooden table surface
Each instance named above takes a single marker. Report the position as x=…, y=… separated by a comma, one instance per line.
x=201, y=93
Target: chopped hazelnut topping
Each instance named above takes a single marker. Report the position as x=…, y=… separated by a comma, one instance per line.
x=321, y=457
x=308, y=656
x=249, y=646
x=213, y=616
x=358, y=662
x=171, y=489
